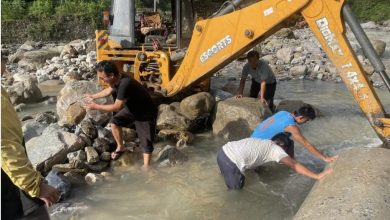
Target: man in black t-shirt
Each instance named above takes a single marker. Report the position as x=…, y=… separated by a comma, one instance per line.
x=133, y=105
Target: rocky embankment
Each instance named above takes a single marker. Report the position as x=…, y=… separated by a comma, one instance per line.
x=73, y=145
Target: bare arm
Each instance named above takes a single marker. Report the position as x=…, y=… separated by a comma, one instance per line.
x=241, y=88
x=296, y=133
x=118, y=105
x=262, y=91
x=299, y=168
x=104, y=93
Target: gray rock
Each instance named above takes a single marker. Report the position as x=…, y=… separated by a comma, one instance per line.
x=125, y=160
x=197, y=105
x=285, y=33
x=16, y=57
x=94, y=179
x=86, y=139
x=298, y=70
x=58, y=181
x=46, y=150
x=67, y=167
x=379, y=46
x=73, y=142
x=220, y=95
x=92, y=155
x=97, y=167
x=168, y=118
x=369, y=25
x=106, y=134
x=172, y=154
x=25, y=91
x=88, y=128
x=71, y=76
x=181, y=137
x=77, y=155
x=32, y=129
x=73, y=92
x=237, y=118
x=105, y=156
x=320, y=76
x=46, y=118
x=38, y=57
x=101, y=145
x=285, y=55
x=75, y=178
x=27, y=46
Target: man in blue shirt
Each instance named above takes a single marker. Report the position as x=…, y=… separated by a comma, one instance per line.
x=286, y=122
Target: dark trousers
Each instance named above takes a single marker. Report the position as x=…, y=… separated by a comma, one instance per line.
x=269, y=92
x=145, y=128
x=234, y=179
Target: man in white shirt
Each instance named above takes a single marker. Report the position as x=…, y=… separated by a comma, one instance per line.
x=237, y=156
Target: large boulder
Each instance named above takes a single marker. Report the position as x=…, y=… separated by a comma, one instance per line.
x=32, y=129
x=37, y=58
x=237, y=118
x=197, y=105
x=51, y=147
x=25, y=90
x=72, y=93
x=169, y=118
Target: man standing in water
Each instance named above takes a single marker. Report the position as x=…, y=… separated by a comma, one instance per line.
x=263, y=79
x=237, y=156
x=286, y=123
x=133, y=105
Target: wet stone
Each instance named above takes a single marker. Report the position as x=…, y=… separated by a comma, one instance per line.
x=97, y=167
x=88, y=128
x=77, y=155
x=92, y=155
x=101, y=145
x=94, y=179
x=105, y=156
x=75, y=178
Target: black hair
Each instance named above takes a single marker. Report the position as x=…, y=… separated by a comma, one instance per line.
x=107, y=67
x=283, y=140
x=306, y=111
x=253, y=53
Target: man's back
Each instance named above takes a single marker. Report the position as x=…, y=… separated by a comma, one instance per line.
x=273, y=125
x=250, y=152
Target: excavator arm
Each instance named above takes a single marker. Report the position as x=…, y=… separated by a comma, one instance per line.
x=218, y=41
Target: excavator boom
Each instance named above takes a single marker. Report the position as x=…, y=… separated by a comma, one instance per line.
x=217, y=41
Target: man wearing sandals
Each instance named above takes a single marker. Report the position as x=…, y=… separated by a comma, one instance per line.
x=133, y=105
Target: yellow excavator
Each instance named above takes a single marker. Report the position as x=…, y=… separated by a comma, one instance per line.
x=169, y=53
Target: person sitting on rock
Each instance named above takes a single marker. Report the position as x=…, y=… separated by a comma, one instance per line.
x=263, y=79
x=286, y=123
x=237, y=156
x=133, y=105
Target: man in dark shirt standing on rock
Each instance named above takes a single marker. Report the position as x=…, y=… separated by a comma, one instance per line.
x=263, y=79
x=133, y=105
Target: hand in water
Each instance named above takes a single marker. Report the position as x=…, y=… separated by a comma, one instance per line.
x=331, y=159
x=324, y=173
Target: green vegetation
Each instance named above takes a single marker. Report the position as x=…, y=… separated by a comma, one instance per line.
x=27, y=9
x=371, y=10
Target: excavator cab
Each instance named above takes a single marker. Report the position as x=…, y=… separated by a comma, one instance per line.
x=152, y=24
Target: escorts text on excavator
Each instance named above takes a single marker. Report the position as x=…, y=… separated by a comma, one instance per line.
x=170, y=53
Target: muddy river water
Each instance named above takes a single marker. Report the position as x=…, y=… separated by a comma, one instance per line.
x=195, y=189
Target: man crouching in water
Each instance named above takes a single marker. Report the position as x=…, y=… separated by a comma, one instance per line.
x=237, y=156
x=133, y=105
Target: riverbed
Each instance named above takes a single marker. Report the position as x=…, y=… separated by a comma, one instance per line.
x=196, y=190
